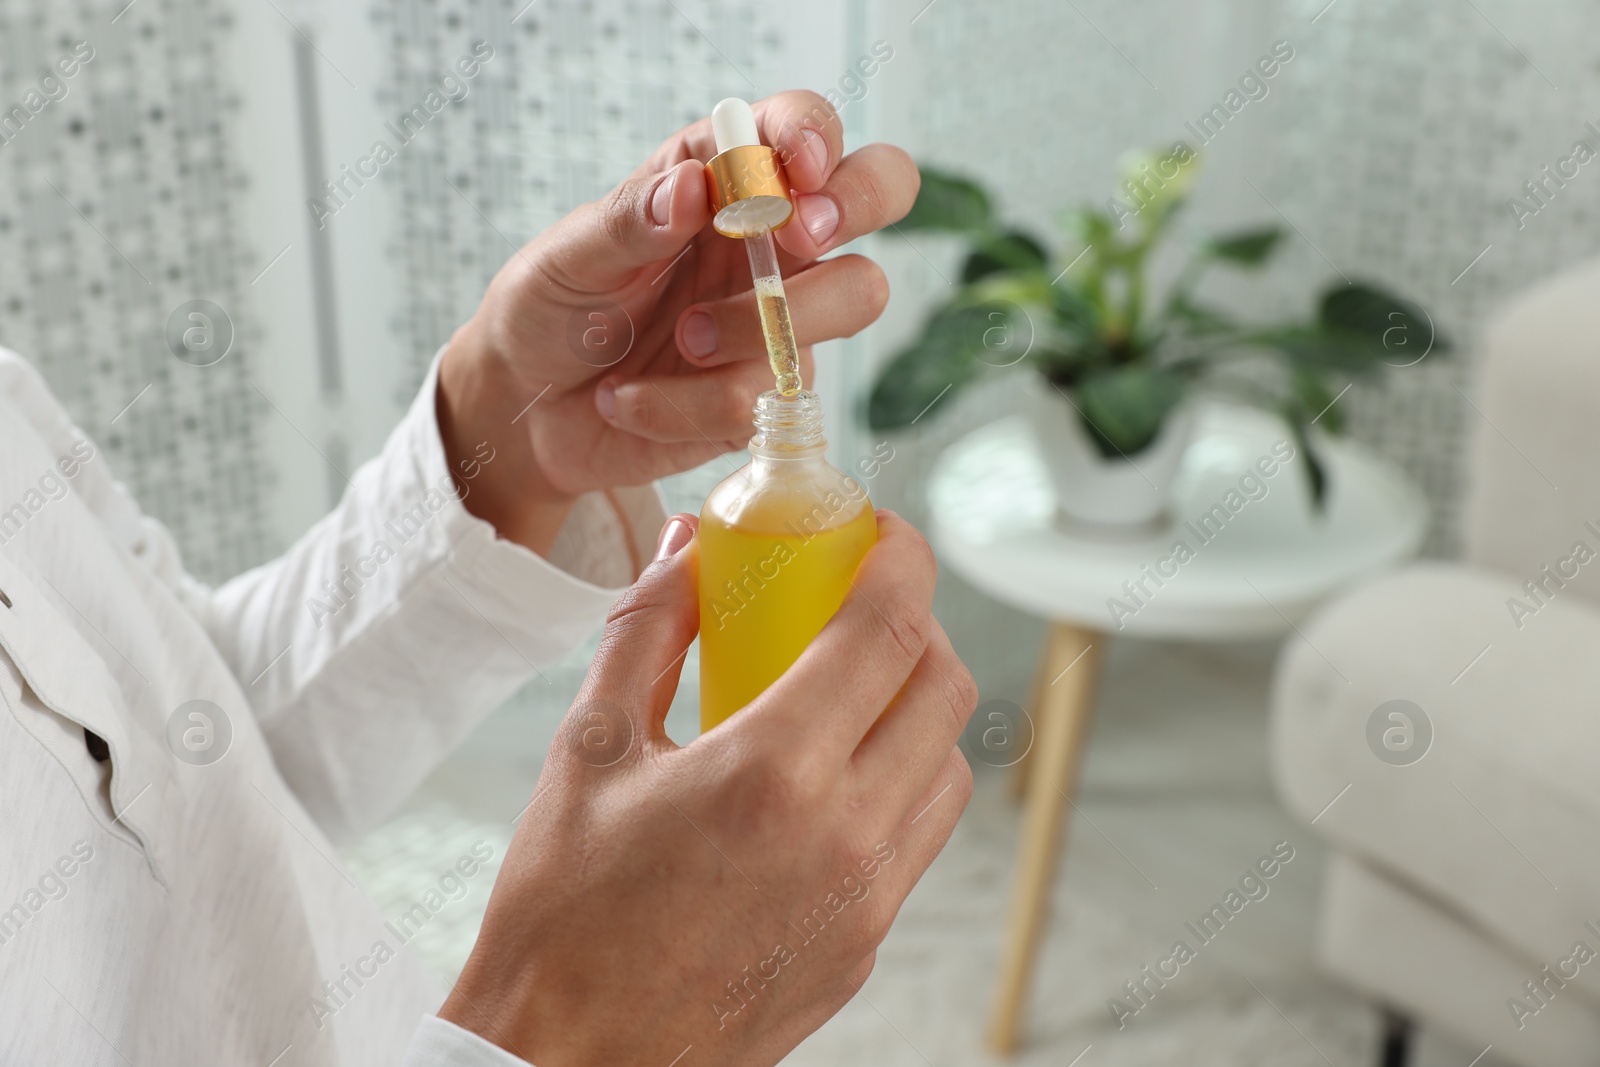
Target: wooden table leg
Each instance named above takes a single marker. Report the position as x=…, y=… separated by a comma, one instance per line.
x=1065, y=707
x=1041, y=681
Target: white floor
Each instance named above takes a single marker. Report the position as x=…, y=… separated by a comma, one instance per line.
x=1175, y=804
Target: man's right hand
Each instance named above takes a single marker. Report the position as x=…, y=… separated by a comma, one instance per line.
x=729, y=895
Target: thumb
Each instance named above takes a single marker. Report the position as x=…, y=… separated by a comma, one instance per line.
x=645, y=221
x=635, y=671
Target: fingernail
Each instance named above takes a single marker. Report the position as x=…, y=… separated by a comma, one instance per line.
x=661, y=200
x=700, y=334
x=819, y=215
x=674, y=535
x=605, y=399
x=817, y=145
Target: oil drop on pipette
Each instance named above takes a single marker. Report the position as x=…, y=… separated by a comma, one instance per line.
x=780, y=539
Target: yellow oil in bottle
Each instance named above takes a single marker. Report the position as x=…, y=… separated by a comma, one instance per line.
x=765, y=596
x=779, y=544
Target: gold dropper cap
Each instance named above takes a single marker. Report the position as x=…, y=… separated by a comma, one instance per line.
x=748, y=189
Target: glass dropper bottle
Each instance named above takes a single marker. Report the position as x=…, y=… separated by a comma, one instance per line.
x=780, y=538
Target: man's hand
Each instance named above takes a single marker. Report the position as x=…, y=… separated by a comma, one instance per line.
x=729, y=895
x=640, y=272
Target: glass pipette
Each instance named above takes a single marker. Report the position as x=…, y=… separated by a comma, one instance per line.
x=752, y=199
x=782, y=352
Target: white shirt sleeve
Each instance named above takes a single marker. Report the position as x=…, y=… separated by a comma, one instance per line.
x=438, y=1043
x=397, y=622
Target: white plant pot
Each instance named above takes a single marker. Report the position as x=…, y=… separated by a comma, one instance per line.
x=1092, y=489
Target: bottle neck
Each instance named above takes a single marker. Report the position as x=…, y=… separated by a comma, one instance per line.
x=788, y=427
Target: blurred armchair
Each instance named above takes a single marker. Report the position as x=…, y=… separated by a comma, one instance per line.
x=1463, y=889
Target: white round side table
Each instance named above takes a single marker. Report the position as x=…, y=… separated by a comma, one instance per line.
x=1241, y=554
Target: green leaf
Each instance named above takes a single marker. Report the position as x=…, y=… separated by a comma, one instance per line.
x=1123, y=407
x=1322, y=350
x=1163, y=176
x=1090, y=226
x=1316, y=400
x=948, y=202
x=999, y=252
x=1200, y=319
x=1247, y=248
x=1316, y=472
x=1020, y=287
x=1398, y=330
x=1074, y=313
x=927, y=374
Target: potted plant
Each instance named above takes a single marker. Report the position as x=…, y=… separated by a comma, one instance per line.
x=1116, y=363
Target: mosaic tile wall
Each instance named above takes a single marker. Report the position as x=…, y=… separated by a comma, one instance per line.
x=121, y=203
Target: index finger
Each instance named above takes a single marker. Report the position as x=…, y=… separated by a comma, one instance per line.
x=862, y=657
x=800, y=126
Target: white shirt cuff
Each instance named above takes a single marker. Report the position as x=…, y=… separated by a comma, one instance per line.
x=438, y=1043
x=389, y=630
x=608, y=538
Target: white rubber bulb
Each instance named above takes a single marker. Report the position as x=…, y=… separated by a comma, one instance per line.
x=733, y=124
